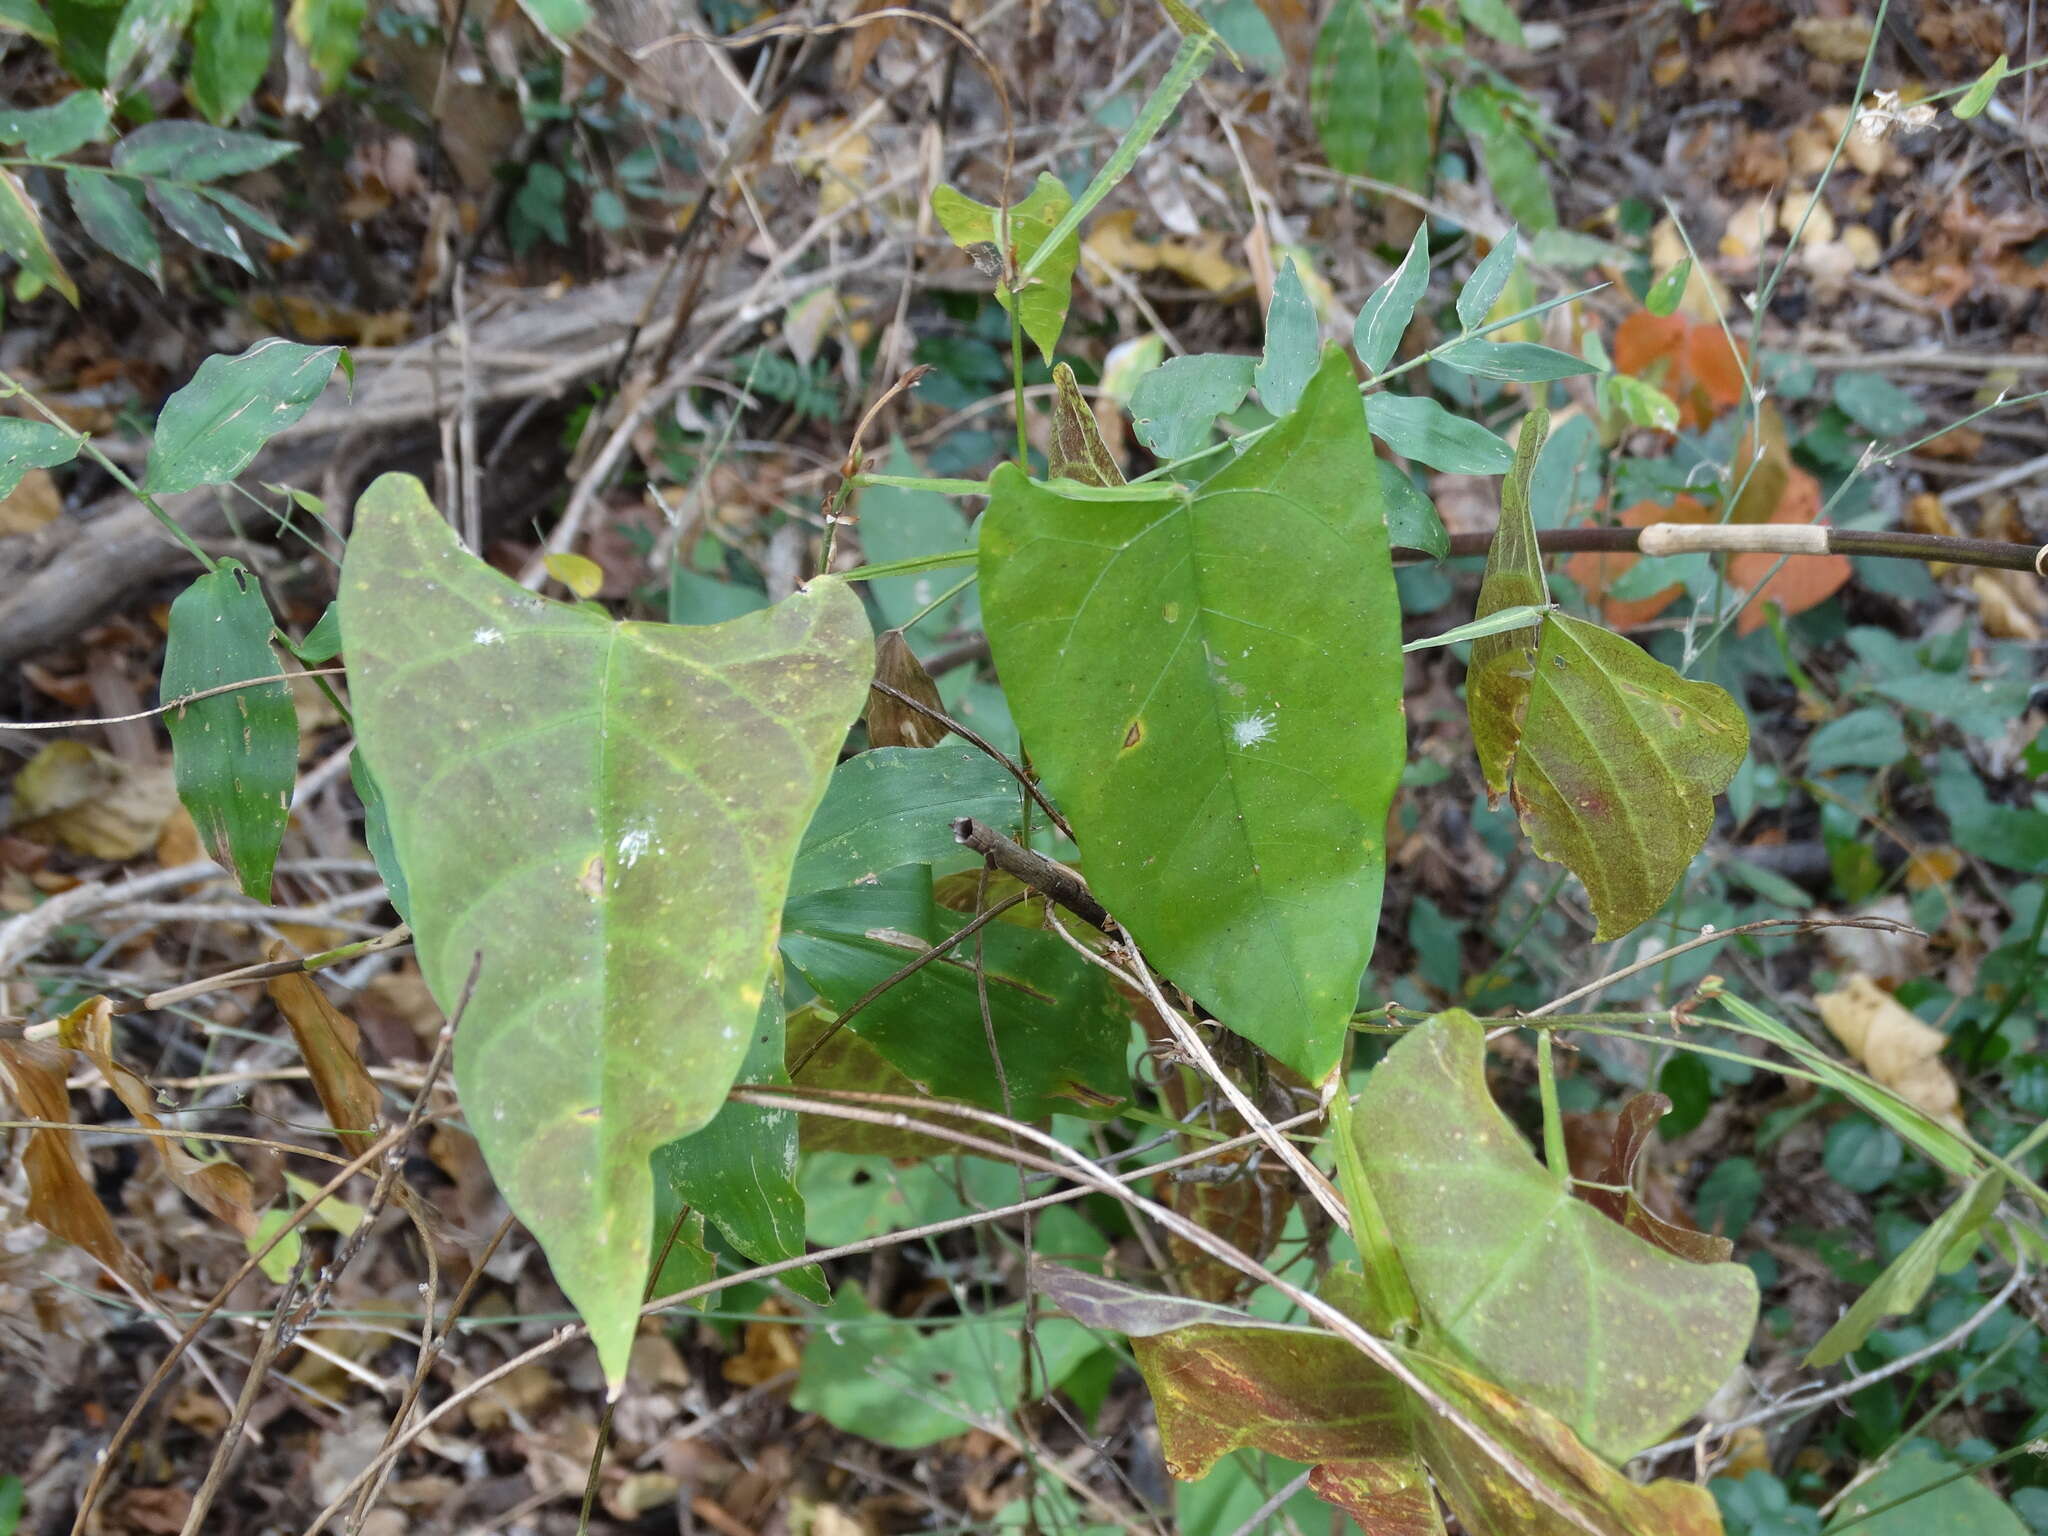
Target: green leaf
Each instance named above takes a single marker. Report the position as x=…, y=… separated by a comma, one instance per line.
x=107, y=212
x=27, y=445
x=145, y=40
x=1611, y=758
x=1494, y=19
x=1418, y=428
x=1862, y=1156
x=1863, y=738
x=896, y=805
x=1632, y=1339
x=193, y=152
x=27, y=17
x=897, y=1382
x=1664, y=294
x=230, y=54
x=897, y=523
x=247, y=212
x=1212, y=688
x=23, y=238
x=1403, y=146
x=1387, y=313
x=1907, y=1279
x=1291, y=345
x=323, y=640
x=1978, y=96
x=564, y=18
x=1175, y=406
x=1042, y=305
x=330, y=31
x=1521, y=361
x=213, y=428
x=1877, y=405
x=47, y=132
x=1060, y=1029
x=1482, y=289
x=377, y=834
x=193, y=218
x=1344, y=88
x=1641, y=403
x=602, y=816
x=1412, y=521
x=1512, y=165
x=236, y=755
x=1077, y=452
x=739, y=1170
x=1963, y=1507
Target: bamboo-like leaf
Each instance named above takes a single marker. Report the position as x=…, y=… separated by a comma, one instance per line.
x=193, y=152
x=27, y=445
x=1611, y=758
x=1291, y=346
x=1211, y=686
x=230, y=54
x=1344, y=88
x=1483, y=288
x=236, y=755
x=22, y=237
x=213, y=428
x=44, y=133
x=108, y=213
x=1631, y=1340
x=146, y=37
x=331, y=33
x=606, y=814
x=1386, y=314
x=1418, y=428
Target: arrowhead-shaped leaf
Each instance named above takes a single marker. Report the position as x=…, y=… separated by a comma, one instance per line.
x=1222, y=1381
x=1211, y=684
x=606, y=814
x=236, y=755
x=1612, y=759
x=1631, y=1340
x=1042, y=303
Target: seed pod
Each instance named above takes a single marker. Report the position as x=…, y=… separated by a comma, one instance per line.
x=891, y=722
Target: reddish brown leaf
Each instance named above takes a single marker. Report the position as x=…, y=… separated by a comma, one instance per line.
x=1620, y=1202
x=332, y=1046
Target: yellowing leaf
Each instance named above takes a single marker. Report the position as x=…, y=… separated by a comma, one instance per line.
x=1633, y=1339
x=1113, y=245
x=579, y=573
x=1078, y=452
x=1894, y=1046
x=1042, y=300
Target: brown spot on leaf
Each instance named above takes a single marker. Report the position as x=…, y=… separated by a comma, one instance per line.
x=1134, y=735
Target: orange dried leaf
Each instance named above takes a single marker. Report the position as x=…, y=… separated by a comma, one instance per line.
x=220, y=1188
x=332, y=1046
x=61, y=1199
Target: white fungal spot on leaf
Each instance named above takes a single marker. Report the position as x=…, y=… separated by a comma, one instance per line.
x=488, y=636
x=1247, y=731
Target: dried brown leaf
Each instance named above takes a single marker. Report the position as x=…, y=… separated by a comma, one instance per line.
x=332, y=1046
x=61, y=1199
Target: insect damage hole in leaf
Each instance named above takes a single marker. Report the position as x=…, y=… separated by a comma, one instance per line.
x=1252, y=631
x=607, y=813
